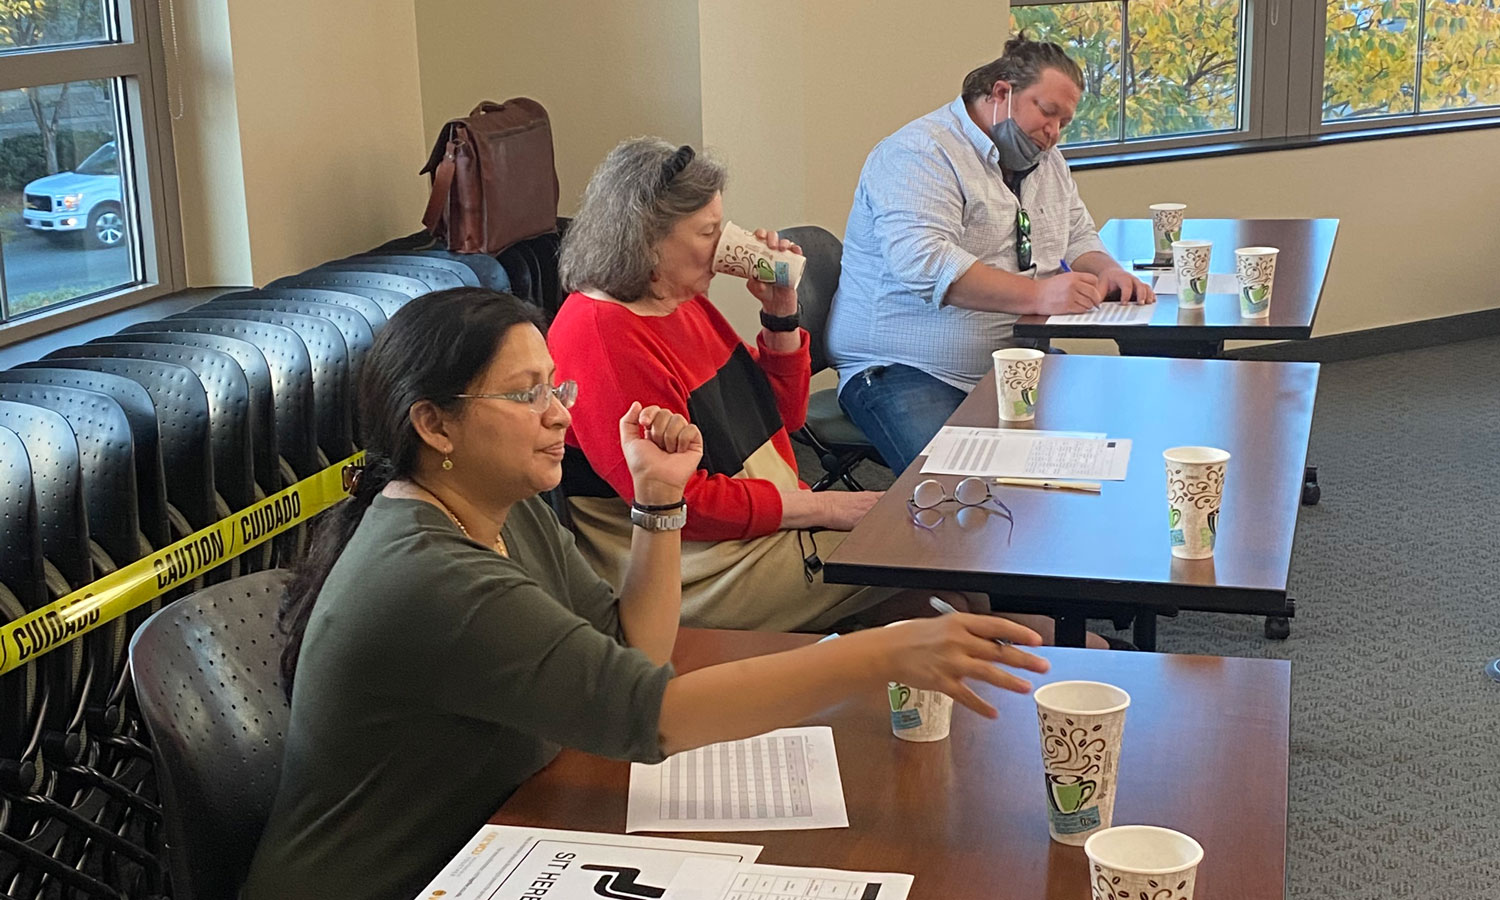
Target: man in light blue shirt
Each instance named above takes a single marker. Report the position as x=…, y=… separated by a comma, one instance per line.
x=961, y=224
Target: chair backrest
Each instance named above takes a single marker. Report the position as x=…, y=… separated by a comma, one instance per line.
x=20, y=537
x=486, y=268
x=140, y=412
x=342, y=280
x=518, y=270
x=228, y=394
x=182, y=422
x=436, y=279
x=545, y=250
x=372, y=312
x=331, y=393
x=291, y=379
x=106, y=454
x=355, y=329
x=57, y=480
x=825, y=255
x=263, y=444
x=465, y=273
x=207, y=677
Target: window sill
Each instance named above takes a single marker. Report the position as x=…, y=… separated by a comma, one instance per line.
x=18, y=346
x=1231, y=148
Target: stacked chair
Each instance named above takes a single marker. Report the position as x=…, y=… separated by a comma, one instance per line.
x=116, y=448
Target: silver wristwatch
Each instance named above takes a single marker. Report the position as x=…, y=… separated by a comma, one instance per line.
x=651, y=521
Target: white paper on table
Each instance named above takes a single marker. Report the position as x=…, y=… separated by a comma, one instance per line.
x=1109, y=314
x=505, y=862
x=783, y=780
x=1217, y=284
x=949, y=432
x=712, y=879
x=1018, y=453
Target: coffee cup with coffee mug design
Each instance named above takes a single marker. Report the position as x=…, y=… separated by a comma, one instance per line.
x=741, y=254
x=1256, y=269
x=1082, y=724
x=1190, y=262
x=1166, y=227
x=1195, y=494
x=1018, y=377
x=917, y=715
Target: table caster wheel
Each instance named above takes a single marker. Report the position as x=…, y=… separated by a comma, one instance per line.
x=1278, y=628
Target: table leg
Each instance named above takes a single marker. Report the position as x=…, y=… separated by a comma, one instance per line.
x=1171, y=349
x=1070, y=630
x=1145, y=631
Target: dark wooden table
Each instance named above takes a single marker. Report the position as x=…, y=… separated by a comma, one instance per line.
x=1073, y=555
x=1205, y=752
x=1306, y=247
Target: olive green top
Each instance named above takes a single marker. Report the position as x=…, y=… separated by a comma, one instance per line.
x=435, y=676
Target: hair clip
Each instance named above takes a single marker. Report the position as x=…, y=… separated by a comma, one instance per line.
x=674, y=166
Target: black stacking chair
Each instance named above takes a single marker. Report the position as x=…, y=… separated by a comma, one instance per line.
x=207, y=675
x=465, y=273
x=291, y=382
x=228, y=394
x=373, y=312
x=436, y=279
x=57, y=479
x=545, y=250
x=518, y=270
x=391, y=291
x=23, y=588
x=181, y=408
x=485, y=268
x=329, y=356
x=839, y=443
x=140, y=413
x=263, y=445
x=358, y=334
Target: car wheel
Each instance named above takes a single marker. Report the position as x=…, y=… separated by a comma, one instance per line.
x=106, y=227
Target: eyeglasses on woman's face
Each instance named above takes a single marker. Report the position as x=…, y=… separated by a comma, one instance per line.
x=539, y=396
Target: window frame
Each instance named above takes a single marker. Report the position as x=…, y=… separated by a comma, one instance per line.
x=136, y=63
x=1284, y=45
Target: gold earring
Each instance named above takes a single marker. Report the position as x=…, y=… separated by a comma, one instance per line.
x=447, y=464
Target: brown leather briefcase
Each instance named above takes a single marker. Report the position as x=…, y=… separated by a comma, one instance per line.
x=493, y=178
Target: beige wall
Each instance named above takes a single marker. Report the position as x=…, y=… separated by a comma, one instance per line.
x=330, y=125
x=604, y=70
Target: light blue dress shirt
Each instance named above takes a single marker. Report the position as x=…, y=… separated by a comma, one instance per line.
x=931, y=202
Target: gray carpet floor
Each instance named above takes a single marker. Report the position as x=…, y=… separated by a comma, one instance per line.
x=1395, y=757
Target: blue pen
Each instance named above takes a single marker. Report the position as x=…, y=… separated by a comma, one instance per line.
x=947, y=609
x=1065, y=266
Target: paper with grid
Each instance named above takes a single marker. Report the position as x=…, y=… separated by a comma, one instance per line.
x=783, y=780
x=712, y=879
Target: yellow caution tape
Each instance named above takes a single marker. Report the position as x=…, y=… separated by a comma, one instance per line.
x=124, y=589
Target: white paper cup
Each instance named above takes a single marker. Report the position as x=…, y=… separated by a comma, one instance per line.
x=1195, y=491
x=1166, y=227
x=918, y=715
x=1190, y=263
x=1142, y=861
x=1082, y=724
x=1018, y=377
x=742, y=255
x=1256, y=268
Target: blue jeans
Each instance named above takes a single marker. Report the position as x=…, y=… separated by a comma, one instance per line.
x=899, y=409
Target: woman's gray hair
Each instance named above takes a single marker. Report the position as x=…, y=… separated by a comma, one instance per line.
x=631, y=203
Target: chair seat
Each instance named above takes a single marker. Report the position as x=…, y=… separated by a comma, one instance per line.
x=826, y=420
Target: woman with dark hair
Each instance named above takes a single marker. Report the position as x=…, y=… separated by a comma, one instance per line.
x=446, y=637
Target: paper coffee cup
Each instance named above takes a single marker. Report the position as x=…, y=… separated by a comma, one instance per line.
x=1190, y=263
x=1195, y=491
x=1256, y=268
x=1082, y=724
x=918, y=715
x=1166, y=227
x=1018, y=376
x=742, y=255
x=1143, y=861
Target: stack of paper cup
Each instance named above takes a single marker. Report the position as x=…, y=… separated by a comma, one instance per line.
x=1166, y=227
x=1256, y=268
x=743, y=255
x=1142, y=861
x=1018, y=377
x=1190, y=262
x=1082, y=724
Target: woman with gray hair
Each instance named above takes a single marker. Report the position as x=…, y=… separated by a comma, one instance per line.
x=638, y=325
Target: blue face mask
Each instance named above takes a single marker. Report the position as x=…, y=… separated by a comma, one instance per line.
x=1018, y=152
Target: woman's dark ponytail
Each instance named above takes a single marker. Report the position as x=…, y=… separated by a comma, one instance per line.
x=432, y=349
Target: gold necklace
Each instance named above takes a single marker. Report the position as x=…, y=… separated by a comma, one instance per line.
x=500, y=547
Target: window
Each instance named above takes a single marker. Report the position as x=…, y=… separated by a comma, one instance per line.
x=84, y=161
x=1167, y=74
